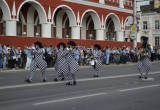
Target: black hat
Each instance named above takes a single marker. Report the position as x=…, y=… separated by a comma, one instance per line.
x=39, y=44
x=61, y=43
x=97, y=46
x=71, y=43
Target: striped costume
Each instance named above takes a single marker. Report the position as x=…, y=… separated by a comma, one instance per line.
x=39, y=62
x=60, y=59
x=70, y=67
x=144, y=61
x=98, y=63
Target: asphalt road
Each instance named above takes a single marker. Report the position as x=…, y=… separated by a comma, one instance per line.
x=118, y=88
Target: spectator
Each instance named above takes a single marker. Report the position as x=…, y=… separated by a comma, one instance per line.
x=29, y=57
x=5, y=52
x=49, y=56
x=12, y=57
x=107, y=55
x=18, y=57
x=76, y=53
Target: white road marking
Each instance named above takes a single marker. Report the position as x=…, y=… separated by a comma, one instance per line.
x=149, y=79
x=135, y=82
x=124, y=90
x=67, y=99
x=81, y=80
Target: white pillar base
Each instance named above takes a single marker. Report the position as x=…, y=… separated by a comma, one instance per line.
x=120, y=36
x=46, y=30
x=75, y=32
x=100, y=34
x=11, y=28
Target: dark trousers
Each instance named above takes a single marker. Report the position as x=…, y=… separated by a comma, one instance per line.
x=12, y=63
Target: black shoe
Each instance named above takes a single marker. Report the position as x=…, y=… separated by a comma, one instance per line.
x=68, y=83
x=62, y=79
x=44, y=80
x=55, y=79
x=140, y=77
x=74, y=82
x=98, y=75
x=28, y=81
x=145, y=77
x=95, y=76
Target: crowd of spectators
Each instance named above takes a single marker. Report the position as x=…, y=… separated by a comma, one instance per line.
x=12, y=57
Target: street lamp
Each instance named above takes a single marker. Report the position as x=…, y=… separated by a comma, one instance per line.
x=24, y=33
x=90, y=36
x=37, y=34
x=67, y=36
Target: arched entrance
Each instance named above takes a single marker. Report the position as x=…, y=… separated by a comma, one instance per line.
x=110, y=30
x=31, y=16
x=4, y=15
x=90, y=22
x=64, y=19
x=127, y=28
x=1, y=22
x=113, y=27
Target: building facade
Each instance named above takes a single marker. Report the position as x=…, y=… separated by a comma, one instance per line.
x=105, y=20
x=150, y=23
x=150, y=28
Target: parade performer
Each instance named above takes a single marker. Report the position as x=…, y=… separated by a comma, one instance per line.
x=60, y=59
x=70, y=66
x=37, y=61
x=144, y=59
x=96, y=62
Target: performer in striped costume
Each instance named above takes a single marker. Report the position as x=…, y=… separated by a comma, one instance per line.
x=144, y=59
x=70, y=66
x=60, y=59
x=37, y=61
x=96, y=59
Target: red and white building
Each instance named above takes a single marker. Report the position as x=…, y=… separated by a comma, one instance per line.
x=80, y=20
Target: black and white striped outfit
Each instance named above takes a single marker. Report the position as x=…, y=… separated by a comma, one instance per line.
x=38, y=62
x=146, y=63
x=70, y=66
x=98, y=63
x=60, y=59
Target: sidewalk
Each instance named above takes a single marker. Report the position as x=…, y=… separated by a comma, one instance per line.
x=81, y=67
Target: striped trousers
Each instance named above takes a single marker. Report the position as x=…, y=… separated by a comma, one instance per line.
x=146, y=63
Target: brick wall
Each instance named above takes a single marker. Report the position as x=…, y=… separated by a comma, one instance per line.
x=23, y=41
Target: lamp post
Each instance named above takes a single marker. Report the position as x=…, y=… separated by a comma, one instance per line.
x=135, y=24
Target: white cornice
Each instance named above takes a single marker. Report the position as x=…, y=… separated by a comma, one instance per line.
x=98, y=5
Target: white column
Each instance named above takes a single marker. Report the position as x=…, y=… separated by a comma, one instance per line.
x=100, y=34
x=75, y=32
x=83, y=33
x=11, y=28
x=121, y=3
x=150, y=31
x=138, y=37
x=120, y=35
x=46, y=30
